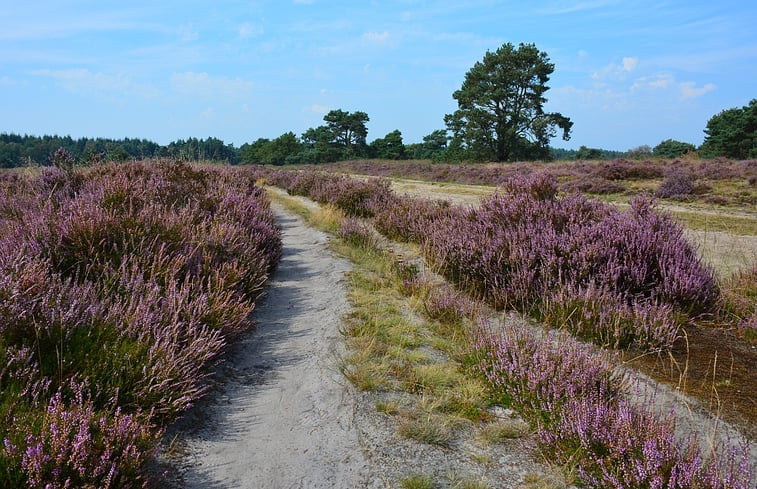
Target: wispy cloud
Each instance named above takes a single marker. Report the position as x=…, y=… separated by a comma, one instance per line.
x=187, y=33
x=690, y=90
x=376, y=37
x=205, y=85
x=248, y=30
x=318, y=109
x=562, y=7
x=629, y=64
x=82, y=80
x=659, y=81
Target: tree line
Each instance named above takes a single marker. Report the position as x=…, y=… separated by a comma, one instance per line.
x=17, y=150
x=500, y=117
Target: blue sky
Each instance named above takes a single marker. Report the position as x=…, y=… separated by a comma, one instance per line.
x=627, y=73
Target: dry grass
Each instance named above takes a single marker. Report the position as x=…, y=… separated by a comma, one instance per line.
x=501, y=431
x=431, y=430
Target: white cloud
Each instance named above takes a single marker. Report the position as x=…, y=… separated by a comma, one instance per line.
x=654, y=82
x=629, y=64
x=248, y=30
x=689, y=89
x=84, y=81
x=615, y=72
x=205, y=85
x=376, y=37
x=663, y=81
x=188, y=33
x=318, y=109
x=559, y=8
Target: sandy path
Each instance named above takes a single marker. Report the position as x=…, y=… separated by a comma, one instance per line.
x=282, y=416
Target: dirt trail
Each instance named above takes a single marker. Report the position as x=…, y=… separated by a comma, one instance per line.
x=282, y=415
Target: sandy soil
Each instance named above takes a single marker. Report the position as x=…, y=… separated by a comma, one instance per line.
x=282, y=415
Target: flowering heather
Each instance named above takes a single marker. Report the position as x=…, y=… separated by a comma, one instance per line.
x=579, y=407
x=357, y=233
x=119, y=285
x=538, y=375
x=608, y=320
x=409, y=219
x=356, y=197
x=616, y=444
x=677, y=183
x=527, y=247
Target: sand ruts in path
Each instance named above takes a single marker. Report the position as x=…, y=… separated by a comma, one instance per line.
x=282, y=415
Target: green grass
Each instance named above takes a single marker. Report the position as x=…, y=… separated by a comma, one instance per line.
x=431, y=430
x=417, y=481
x=500, y=431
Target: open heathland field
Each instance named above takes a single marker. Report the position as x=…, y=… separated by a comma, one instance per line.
x=627, y=280
x=120, y=286
x=527, y=320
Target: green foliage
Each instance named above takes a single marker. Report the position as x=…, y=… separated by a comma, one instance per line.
x=500, y=112
x=585, y=153
x=639, y=152
x=732, y=133
x=433, y=147
x=670, y=148
x=342, y=137
x=390, y=147
x=347, y=129
x=276, y=152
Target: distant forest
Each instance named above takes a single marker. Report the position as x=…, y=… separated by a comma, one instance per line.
x=17, y=150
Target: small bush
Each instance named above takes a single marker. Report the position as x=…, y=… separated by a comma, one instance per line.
x=594, y=185
x=677, y=183
x=356, y=233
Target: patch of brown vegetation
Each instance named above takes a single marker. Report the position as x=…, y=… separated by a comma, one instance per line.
x=714, y=366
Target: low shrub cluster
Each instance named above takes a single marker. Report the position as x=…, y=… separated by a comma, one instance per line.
x=579, y=407
x=618, y=278
x=353, y=196
x=600, y=172
x=118, y=287
x=615, y=277
x=678, y=183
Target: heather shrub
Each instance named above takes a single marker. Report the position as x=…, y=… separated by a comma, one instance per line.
x=578, y=404
x=608, y=320
x=538, y=375
x=355, y=197
x=73, y=445
x=593, y=185
x=614, y=444
x=114, y=300
x=677, y=183
x=539, y=186
x=622, y=169
x=445, y=304
x=409, y=219
x=647, y=255
x=355, y=232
